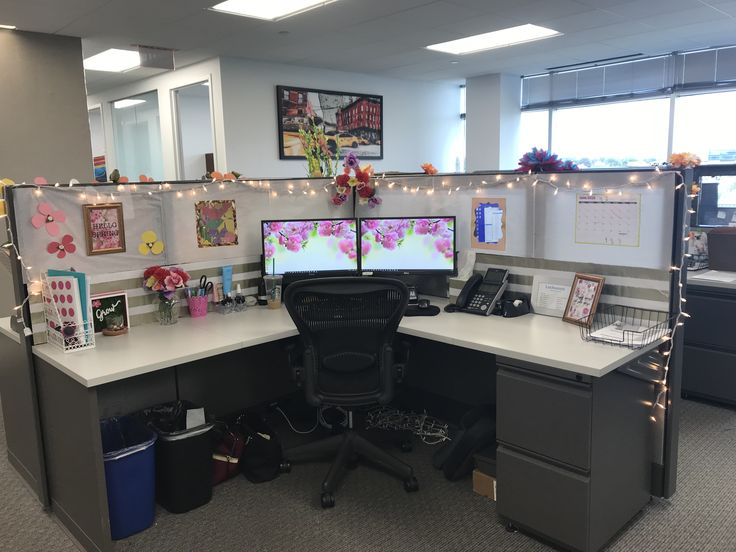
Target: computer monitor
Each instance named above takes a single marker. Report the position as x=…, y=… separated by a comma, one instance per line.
x=310, y=246
x=410, y=245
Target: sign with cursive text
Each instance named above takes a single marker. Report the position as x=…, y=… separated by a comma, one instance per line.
x=104, y=228
x=109, y=310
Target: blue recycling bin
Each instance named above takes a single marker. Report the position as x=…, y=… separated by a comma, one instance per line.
x=127, y=446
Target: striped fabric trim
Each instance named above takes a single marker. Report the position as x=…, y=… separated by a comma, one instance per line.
x=140, y=300
x=629, y=286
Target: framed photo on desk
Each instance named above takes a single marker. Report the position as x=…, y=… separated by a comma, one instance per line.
x=583, y=300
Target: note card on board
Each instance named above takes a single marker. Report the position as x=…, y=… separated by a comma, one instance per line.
x=489, y=227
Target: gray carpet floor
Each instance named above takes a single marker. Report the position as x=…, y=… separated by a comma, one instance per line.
x=373, y=513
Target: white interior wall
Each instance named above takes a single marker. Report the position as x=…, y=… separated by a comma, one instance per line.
x=421, y=119
x=97, y=133
x=164, y=84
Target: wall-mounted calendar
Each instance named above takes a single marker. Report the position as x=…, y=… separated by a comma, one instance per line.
x=608, y=219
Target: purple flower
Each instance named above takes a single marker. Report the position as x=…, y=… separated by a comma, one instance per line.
x=294, y=243
x=422, y=226
x=365, y=247
x=373, y=201
x=370, y=224
x=325, y=228
x=351, y=161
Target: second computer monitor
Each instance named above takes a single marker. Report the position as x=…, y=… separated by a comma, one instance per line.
x=315, y=245
x=415, y=245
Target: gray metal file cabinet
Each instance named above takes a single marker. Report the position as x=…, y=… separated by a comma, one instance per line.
x=574, y=453
x=709, y=361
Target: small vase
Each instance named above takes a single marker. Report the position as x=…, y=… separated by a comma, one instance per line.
x=166, y=310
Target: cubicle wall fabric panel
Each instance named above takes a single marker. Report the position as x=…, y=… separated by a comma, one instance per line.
x=644, y=288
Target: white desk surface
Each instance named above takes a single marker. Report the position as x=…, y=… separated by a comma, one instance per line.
x=700, y=278
x=533, y=338
x=5, y=329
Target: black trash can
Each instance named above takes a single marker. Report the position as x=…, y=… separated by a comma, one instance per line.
x=183, y=457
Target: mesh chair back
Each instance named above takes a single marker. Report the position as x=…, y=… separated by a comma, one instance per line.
x=346, y=326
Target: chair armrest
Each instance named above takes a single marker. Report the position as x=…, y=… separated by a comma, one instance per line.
x=402, y=353
x=295, y=354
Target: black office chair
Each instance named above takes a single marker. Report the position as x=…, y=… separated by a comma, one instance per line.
x=346, y=326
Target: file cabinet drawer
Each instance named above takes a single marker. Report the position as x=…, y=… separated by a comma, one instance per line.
x=711, y=320
x=548, y=500
x=709, y=373
x=545, y=415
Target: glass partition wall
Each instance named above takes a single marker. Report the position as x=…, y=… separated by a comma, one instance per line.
x=137, y=134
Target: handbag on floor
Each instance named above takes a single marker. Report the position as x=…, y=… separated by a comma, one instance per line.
x=226, y=455
x=262, y=454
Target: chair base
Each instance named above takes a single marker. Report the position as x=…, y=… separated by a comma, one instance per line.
x=347, y=448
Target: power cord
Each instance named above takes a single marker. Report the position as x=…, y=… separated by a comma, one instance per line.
x=295, y=430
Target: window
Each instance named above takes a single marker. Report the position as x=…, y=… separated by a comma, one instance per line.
x=704, y=125
x=533, y=131
x=622, y=134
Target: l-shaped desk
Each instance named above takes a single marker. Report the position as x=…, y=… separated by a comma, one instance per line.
x=574, y=431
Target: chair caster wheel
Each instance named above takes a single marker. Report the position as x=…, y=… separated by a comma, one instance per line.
x=327, y=500
x=511, y=528
x=411, y=485
x=285, y=467
x=406, y=446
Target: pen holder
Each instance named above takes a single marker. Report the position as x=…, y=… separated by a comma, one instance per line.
x=197, y=306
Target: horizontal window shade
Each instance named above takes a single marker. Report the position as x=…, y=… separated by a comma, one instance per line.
x=632, y=79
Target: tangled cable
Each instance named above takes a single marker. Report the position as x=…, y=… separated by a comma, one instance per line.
x=429, y=429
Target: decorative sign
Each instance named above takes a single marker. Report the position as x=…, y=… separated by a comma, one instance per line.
x=488, y=229
x=216, y=223
x=110, y=310
x=104, y=228
x=583, y=299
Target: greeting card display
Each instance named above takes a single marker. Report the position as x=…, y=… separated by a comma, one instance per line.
x=67, y=322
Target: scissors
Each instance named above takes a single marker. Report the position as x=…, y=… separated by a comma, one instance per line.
x=205, y=287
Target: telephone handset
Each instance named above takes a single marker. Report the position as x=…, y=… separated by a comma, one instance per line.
x=480, y=293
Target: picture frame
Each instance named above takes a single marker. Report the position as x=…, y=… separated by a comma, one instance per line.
x=583, y=300
x=104, y=227
x=353, y=119
x=105, y=305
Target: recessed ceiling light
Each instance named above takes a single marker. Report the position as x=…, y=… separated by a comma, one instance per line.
x=113, y=60
x=9, y=27
x=495, y=39
x=121, y=104
x=272, y=10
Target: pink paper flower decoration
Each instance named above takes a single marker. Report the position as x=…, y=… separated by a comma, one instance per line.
x=48, y=217
x=63, y=247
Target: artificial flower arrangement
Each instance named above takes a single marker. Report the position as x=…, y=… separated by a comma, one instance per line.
x=320, y=160
x=684, y=160
x=165, y=281
x=539, y=160
x=429, y=168
x=360, y=181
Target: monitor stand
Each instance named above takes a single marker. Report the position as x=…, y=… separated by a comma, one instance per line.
x=423, y=284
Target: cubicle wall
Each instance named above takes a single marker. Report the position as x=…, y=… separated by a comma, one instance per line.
x=540, y=228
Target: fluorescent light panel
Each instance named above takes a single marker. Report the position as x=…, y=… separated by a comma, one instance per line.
x=270, y=10
x=122, y=104
x=113, y=60
x=495, y=39
x=9, y=27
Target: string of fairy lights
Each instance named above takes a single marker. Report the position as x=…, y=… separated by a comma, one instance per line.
x=571, y=182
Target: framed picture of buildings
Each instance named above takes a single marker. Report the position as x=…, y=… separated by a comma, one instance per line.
x=351, y=121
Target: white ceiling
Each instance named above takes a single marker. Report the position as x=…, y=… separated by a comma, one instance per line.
x=385, y=37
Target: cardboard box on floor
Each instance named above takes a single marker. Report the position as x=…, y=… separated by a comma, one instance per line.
x=484, y=484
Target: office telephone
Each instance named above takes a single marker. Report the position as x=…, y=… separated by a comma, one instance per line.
x=480, y=293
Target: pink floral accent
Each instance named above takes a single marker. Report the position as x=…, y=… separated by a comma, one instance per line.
x=48, y=217
x=173, y=281
x=97, y=303
x=60, y=249
x=40, y=181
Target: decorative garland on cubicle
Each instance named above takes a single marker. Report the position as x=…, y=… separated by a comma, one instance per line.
x=427, y=184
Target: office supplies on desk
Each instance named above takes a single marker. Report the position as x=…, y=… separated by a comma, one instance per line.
x=205, y=286
x=197, y=306
x=227, y=279
x=480, y=294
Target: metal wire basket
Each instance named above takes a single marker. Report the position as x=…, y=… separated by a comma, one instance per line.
x=626, y=326
x=65, y=335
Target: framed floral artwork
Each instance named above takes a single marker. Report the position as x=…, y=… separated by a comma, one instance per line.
x=583, y=300
x=104, y=228
x=216, y=223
